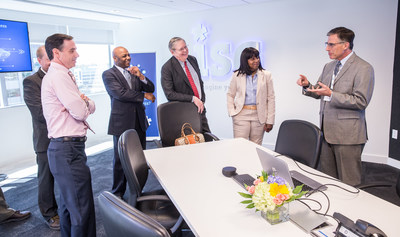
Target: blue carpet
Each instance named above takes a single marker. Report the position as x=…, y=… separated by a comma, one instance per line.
x=23, y=194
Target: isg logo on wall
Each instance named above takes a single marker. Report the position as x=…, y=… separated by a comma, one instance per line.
x=217, y=61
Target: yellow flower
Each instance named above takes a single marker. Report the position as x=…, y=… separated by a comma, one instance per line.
x=276, y=189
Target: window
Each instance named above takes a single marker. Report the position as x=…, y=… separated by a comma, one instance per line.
x=93, y=60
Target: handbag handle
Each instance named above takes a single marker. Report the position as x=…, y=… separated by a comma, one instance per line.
x=186, y=125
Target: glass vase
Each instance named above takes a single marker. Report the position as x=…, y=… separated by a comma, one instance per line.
x=278, y=215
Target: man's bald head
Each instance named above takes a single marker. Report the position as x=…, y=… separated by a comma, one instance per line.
x=42, y=58
x=121, y=57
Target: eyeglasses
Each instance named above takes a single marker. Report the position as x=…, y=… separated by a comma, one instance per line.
x=330, y=45
x=181, y=49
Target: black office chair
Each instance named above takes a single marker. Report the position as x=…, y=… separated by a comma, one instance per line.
x=171, y=116
x=156, y=204
x=366, y=186
x=122, y=220
x=300, y=140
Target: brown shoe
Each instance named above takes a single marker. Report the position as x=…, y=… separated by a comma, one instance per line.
x=17, y=216
x=54, y=223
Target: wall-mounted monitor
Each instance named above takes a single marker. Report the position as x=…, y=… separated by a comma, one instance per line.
x=15, y=54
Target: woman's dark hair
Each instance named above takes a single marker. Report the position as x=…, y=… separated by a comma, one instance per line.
x=247, y=53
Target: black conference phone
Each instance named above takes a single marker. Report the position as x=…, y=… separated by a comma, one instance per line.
x=347, y=228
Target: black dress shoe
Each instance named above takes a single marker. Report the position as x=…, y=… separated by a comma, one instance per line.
x=17, y=216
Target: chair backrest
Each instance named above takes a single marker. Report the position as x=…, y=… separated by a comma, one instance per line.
x=300, y=140
x=133, y=163
x=120, y=219
x=171, y=116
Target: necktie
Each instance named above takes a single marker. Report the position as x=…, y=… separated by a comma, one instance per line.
x=72, y=76
x=335, y=72
x=194, y=88
x=127, y=76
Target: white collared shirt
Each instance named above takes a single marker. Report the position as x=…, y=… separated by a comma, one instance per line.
x=342, y=62
x=193, y=72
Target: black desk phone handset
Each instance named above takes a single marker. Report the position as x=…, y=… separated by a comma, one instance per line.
x=347, y=228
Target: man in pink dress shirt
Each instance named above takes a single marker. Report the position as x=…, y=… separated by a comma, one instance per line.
x=66, y=110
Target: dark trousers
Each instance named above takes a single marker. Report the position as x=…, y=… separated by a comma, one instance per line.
x=67, y=161
x=46, y=198
x=5, y=211
x=119, y=180
x=204, y=122
x=342, y=161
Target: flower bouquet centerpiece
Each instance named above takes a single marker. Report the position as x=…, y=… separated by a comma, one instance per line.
x=271, y=195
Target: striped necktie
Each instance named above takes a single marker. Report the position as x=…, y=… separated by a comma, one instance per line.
x=335, y=72
x=127, y=76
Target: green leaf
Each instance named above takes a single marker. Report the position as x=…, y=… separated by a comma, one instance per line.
x=246, y=201
x=251, y=205
x=298, y=189
x=292, y=198
x=265, y=175
x=301, y=194
x=245, y=195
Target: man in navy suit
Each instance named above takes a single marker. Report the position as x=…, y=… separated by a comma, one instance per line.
x=127, y=88
x=181, y=79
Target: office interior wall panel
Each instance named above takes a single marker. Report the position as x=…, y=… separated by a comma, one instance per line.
x=291, y=35
x=16, y=146
x=394, y=139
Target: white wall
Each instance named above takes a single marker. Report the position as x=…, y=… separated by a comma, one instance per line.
x=292, y=35
x=16, y=144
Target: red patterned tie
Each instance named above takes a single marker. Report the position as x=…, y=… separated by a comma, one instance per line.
x=194, y=88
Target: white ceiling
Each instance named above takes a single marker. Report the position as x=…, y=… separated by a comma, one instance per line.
x=118, y=10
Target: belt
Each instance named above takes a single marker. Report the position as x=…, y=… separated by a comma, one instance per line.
x=69, y=139
x=252, y=107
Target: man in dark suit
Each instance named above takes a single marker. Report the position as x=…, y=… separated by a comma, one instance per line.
x=127, y=88
x=8, y=214
x=181, y=79
x=345, y=89
x=32, y=96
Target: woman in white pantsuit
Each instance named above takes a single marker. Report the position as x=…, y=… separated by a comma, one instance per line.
x=251, y=98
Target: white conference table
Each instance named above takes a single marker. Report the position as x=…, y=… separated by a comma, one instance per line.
x=210, y=204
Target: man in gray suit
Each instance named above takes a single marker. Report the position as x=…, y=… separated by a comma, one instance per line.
x=345, y=89
x=32, y=96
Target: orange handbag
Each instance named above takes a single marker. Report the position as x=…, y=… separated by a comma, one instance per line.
x=190, y=138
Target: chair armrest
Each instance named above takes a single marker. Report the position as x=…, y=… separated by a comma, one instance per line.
x=373, y=185
x=210, y=137
x=158, y=143
x=178, y=224
x=153, y=198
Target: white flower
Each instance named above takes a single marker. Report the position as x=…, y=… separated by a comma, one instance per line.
x=261, y=198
